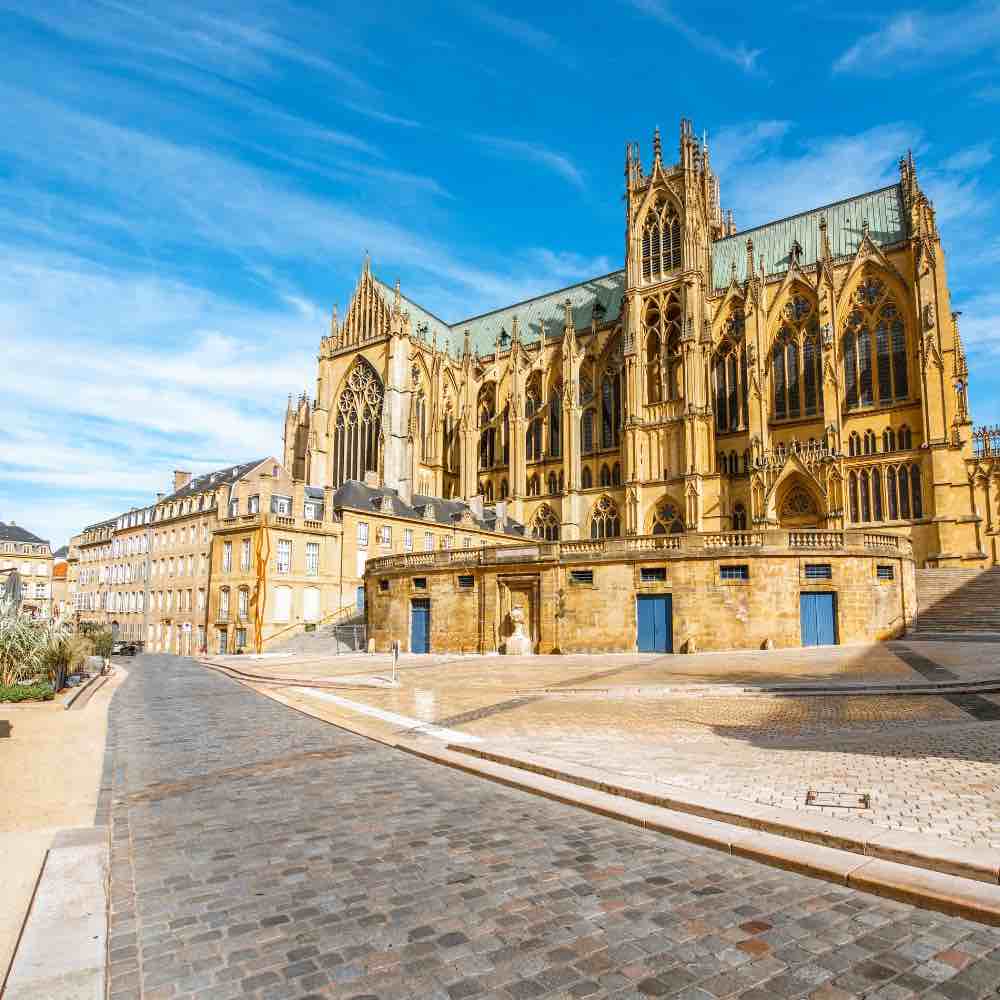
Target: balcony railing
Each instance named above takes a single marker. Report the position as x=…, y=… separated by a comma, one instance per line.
x=763, y=542
x=986, y=442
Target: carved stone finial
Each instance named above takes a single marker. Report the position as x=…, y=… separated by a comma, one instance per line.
x=657, y=146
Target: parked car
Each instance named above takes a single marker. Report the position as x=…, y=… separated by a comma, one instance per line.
x=124, y=649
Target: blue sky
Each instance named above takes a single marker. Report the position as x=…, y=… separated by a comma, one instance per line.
x=185, y=190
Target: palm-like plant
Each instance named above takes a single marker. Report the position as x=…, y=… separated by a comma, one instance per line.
x=23, y=643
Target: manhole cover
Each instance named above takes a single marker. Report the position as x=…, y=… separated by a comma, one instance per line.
x=838, y=800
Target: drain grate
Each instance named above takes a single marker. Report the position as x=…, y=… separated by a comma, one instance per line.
x=838, y=800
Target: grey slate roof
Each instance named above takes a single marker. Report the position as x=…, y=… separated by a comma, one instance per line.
x=15, y=533
x=542, y=316
x=357, y=496
x=882, y=210
x=213, y=480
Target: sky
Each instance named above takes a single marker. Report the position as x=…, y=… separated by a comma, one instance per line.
x=187, y=189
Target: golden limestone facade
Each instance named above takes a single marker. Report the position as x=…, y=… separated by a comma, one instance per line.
x=803, y=376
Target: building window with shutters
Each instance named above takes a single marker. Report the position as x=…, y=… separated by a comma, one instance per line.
x=312, y=558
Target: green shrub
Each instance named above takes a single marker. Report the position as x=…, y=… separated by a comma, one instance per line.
x=38, y=691
x=103, y=641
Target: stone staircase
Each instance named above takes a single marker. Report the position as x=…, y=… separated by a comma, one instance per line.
x=956, y=601
x=346, y=635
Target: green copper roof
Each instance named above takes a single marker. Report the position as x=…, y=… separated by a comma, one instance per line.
x=542, y=316
x=882, y=210
x=537, y=317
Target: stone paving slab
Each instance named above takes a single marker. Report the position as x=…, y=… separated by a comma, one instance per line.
x=260, y=853
x=929, y=765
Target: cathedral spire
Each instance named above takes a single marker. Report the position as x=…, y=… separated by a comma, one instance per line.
x=657, y=147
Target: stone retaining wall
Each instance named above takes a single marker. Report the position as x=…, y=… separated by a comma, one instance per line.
x=472, y=592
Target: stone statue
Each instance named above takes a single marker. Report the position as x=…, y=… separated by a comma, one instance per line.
x=518, y=642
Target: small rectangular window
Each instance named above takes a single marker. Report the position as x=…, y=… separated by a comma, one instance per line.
x=734, y=572
x=420, y=583
x=362, y=533
x=885, y=572
x=819, y=571
x=281, y=506
x=253, y=505
x=581, y=576
x=428, y=542
x=653, y=574
x=408, y=539
x=466, y=582
x=383, y=585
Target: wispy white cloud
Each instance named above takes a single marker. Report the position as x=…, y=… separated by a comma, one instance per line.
x=970, y=158
x=768, y=180
x=381, y=116
x=519, y=30
x=737, y=53
x=912, y=35
x=531, y=152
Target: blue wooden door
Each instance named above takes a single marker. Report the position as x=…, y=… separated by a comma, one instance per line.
x=818, y=617
x=654, y=613
x=420, y=625
x=359, y=601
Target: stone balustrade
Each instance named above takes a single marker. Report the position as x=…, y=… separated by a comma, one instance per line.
x=766, y=541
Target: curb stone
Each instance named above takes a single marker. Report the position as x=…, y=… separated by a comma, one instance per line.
x=952, y=894
x=61, y=954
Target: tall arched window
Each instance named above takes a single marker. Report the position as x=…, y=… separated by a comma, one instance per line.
x=888, y=440
x=534, y=486
x=545, y=524
x=870, y=446
x=795, y=361
x=916, y=492
x=661, y=240
x=358, y=433
x=616, y=474
x=662, y=329
x=605, y=522
x=611, y=408
x=905, y=438
x=587, y=431
x=552, y=483
x=667, y=519
x=875, y=360
x=605, y=476
x=854, y=444
x=729, y=368
x=586, y=478
x=487, y=429
x=555, y=421
x=533, y=432
x=654, y=378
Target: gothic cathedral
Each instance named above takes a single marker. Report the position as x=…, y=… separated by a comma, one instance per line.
x=804, y=374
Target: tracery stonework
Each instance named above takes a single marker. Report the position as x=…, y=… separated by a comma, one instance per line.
x=708, y=370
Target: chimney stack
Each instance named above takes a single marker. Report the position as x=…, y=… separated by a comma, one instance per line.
x=181, y=479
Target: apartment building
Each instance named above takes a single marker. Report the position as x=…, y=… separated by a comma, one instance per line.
x=182, y=527
x=93, y=593
x=31, y=556
x=129, y=573
x=288, y=556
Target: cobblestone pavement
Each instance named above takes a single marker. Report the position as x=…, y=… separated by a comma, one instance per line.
x=258, y=852
x=929, y=764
